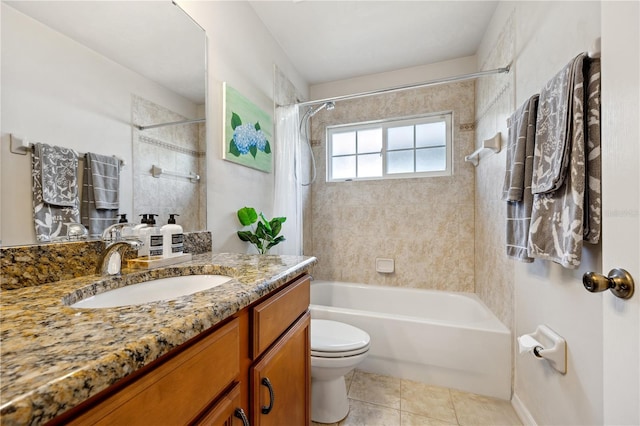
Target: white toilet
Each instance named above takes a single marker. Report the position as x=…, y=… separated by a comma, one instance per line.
x=336, y=349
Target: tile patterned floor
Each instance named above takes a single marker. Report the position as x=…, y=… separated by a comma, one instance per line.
x=376, y=400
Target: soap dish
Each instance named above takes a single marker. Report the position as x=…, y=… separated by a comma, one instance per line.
x=157, y=261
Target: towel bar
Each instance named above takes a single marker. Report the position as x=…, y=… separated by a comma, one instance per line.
x=156, y=171
x=19, y=145
x=493, y=144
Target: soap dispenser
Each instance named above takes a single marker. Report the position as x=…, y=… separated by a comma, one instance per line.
x=153, y=237
x=137, y=232
x=173, y=238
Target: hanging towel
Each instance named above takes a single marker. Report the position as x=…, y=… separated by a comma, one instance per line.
x=100, y=192
x=105, y=172
x=593, y=210
x=59, y=175
x=54, y=182
x=557, y=217
x=553, y=124
x=517, y=183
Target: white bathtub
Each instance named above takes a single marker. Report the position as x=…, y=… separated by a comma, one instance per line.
x=441, y=338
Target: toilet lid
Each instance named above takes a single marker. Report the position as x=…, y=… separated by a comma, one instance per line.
x=332, y=338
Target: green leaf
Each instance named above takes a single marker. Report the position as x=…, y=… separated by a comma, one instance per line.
x=265, y=222
x=253, y=151
x=257, y=126
x=251, y=238
x=276, y=226
x=247, y=216
x=267, y=148
x=247, y=236
x=261, y=231
x=276, y=241
x=235, y=120
x=233, y=148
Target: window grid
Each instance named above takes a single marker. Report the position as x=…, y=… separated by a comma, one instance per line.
x=384, y=126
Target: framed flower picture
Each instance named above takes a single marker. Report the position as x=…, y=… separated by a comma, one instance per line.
x=248, y=132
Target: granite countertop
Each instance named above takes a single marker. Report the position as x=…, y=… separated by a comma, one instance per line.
x=54, y=356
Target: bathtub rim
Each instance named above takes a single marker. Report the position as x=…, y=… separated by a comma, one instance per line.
x=492, y=323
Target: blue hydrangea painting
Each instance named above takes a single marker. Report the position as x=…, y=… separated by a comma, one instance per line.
x=247, y=132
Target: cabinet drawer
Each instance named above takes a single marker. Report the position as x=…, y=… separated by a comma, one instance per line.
x=178, y=390
x=273, y=316
x=223, y=412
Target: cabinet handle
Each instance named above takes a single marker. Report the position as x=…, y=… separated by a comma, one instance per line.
x=239, y=413
x=272, y=397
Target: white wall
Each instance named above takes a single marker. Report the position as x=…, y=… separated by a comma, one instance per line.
x=242, y=53
x=540, y=38
x=57, y=91
x=394, y=78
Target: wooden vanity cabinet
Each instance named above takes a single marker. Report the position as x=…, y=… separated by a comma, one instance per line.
x=216, y=379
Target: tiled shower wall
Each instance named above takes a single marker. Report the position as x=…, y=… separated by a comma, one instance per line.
x=175, y=148
x=494, y=104
x=425, y=224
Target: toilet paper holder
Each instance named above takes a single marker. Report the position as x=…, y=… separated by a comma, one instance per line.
x=544, y=343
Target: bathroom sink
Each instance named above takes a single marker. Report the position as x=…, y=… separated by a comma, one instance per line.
x=152, y=291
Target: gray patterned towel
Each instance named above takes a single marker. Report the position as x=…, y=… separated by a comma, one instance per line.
x=59, y=174
x=517, y=184
x=50, y=218
x=558, y=218
x=593, y=210
x=100, y=192
x=553, y=125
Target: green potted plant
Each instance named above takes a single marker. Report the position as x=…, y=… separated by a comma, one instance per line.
x=264, y=234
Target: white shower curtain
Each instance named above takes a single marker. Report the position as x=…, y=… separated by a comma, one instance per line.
x=287, y=195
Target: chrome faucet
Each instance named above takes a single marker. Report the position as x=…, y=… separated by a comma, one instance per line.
x=110, y=262
x=114, y=232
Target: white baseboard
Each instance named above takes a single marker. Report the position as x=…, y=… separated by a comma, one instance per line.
x=525, y=416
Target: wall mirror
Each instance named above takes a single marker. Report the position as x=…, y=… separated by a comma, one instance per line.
x=153, y=71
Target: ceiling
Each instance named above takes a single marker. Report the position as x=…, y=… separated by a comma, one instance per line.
x=325, y=40
x=335, y=40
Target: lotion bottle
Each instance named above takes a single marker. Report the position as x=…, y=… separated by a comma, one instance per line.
x=173, y=238
x=154, y=237
x=137, y=232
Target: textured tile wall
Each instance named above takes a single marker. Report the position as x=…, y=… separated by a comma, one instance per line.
x=426, y=225
x=494, y=104
x=174, y=148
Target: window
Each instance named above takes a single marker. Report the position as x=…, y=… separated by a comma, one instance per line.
x=409, y=147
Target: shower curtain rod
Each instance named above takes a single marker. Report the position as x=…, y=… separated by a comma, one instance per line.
x=461, y=77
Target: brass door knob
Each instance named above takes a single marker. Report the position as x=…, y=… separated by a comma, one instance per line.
x=619, y=282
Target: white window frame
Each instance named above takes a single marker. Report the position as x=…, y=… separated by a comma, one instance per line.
x=446, y=116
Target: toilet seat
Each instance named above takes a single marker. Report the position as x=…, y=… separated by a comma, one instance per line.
x=332, y=339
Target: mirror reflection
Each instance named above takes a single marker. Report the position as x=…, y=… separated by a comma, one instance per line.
x=83, y=76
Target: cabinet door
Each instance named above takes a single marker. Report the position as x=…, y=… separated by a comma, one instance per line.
x=281, y=379
x=226, y=412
